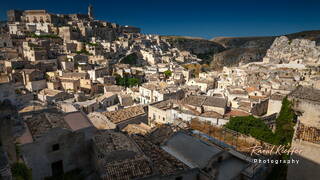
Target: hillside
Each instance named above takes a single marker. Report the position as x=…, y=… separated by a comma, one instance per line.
x=234, y=56
x=204, y=49
x=244, y=42
x=251, y=49
x=230, y=51
x=263, y=41
x=311, y=35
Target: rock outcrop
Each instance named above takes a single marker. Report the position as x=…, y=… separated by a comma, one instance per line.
x=296, y=51
x=230, y=51
x=235, y=56
x=240, y=50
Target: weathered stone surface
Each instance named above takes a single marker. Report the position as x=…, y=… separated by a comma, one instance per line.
x=297, y=51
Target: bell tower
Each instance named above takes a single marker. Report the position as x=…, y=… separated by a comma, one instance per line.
x=90, y=11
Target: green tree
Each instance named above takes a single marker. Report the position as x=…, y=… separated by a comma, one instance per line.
x=131, y=59
x=285, y=123
x=121, y=81
x=126, y=81
x=167, y=73
x=133, y=82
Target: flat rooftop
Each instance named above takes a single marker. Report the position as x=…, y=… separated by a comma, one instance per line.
x=191, y=151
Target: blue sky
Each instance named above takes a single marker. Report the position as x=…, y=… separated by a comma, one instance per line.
x=200, y=18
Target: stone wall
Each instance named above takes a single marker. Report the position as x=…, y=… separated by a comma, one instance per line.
x=36, y=85
x=310, y=112
x=260, y=108
x=274, y=106
x=39, y=155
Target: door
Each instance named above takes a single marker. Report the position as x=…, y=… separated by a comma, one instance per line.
x=57, y=168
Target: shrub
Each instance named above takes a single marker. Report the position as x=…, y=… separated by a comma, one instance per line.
x=167, y=73
x=127, y=82
x=131, y=59
x=21, y=171
x=252, y=126
x=255, y=127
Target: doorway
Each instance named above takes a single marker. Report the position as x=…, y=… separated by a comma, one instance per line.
x=57, y=168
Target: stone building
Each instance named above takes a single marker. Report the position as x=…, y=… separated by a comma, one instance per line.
x=14, y=15
x=275, y=102
x=98, y=73
x=5, y=41
x=116, y=157
x=119, y=156
x=52, y=96
x=54, y=84
x=87, y=106
x=206, y=103
x=53, y=143
x=130, y=29
x=173, y=111
x=306, y=103
x=33, y=79
x=131, y=115
x=108, y=99
x=153, y=92
x=70, y=85
x=214, y=162
x=68, y=33
x=34, y=52
x=203, y=84
x=30, y=75
x=7, y=92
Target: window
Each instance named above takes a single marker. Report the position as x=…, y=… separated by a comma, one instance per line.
x=55, y=147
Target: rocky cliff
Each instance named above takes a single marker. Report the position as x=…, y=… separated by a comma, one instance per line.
x=234, y=56
x=230, y=51
x=298, y=51
x=240, y=49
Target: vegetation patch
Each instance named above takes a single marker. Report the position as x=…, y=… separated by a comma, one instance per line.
x=167, y=73
x=127, y=81
x=252, y=126
x=131, y=59
x=92, y=44
x=53, y=36
x=84, y=51
x=256, y=128
x=21, y=172
x=283, y=135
